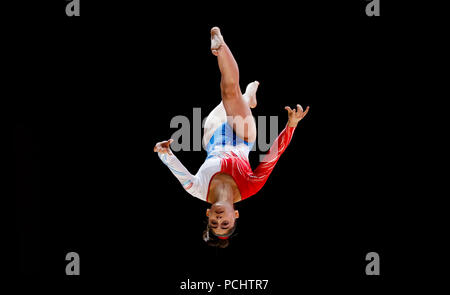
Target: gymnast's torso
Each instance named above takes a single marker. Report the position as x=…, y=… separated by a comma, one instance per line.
x=227, y=153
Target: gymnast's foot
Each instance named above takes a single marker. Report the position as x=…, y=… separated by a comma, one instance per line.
x=250, y=92
x=216, y=40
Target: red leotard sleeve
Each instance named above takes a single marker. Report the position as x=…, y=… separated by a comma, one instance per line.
x=262, y=172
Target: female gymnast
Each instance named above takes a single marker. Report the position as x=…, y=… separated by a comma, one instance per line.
x=229, y=134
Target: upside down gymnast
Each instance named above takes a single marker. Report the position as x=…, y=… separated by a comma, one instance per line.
x=229, y=134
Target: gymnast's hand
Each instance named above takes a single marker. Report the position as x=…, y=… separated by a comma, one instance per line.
x=163, y=147
x=296, y=115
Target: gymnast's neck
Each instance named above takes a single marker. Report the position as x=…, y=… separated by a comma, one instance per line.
x=223, y=188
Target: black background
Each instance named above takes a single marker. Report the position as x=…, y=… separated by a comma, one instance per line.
x=95, y=93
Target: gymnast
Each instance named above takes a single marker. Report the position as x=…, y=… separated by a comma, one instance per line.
x=229, y=134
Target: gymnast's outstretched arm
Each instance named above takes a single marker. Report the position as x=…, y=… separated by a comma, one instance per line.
x=186, y=179
x=265, y=168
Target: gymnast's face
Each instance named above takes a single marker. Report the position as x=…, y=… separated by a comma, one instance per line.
x=221, y=218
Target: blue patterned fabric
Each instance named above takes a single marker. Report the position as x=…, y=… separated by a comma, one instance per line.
x=225, y=135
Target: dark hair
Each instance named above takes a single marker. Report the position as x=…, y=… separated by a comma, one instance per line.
x=213, y=240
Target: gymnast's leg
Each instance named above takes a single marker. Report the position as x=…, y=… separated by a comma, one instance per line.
x=218, y=115
x=236, y=105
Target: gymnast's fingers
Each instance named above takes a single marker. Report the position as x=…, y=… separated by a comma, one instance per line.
x=305, y=112
x=288, y=109
x=157, y=145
